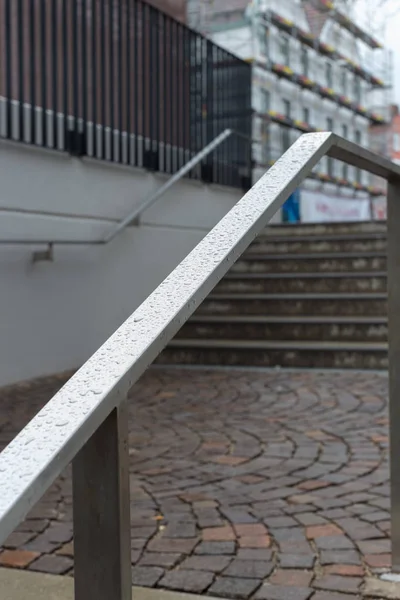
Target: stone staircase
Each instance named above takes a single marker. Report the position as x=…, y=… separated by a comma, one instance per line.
x=301, y=296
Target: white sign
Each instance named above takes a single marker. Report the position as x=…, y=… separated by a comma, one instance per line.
x=318, y=207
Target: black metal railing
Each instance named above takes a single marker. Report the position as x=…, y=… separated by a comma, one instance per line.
x=119, y=80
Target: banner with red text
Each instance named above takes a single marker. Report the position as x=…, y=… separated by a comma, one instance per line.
x=318, y=207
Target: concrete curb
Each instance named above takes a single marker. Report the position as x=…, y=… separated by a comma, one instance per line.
x=16, y=584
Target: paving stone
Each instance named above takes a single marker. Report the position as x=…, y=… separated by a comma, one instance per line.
x=250, y=530
x=187, y=581
x=249, y=569
x=374, y=546
x=233, y=587
x=296, y=561
x=345, y=570
x=218, y=534
x=42, y=544
x=17, y=558
x=310, y=519
x=334, y=542
x=66, y=550
x=212, y=564
x=281, y=592
x=185, y=546
x=180, y=530
x=56, y=565
x=277, y=522
x=215, y=548
x=347, y=557
x=146, y=576
x=257, y=541
x=59, y=532
x=33, y=525
x=337, y=583
x=317, y=531
x=296, y=577
x=254, y=554
x=17, y=539
x=378, y=560
x=159, y=559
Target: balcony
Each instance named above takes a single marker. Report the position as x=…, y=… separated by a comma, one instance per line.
x=322, y=48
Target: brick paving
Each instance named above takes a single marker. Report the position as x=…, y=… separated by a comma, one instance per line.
x=264, y=485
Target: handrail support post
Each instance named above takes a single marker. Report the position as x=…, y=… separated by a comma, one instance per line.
x=101, y=512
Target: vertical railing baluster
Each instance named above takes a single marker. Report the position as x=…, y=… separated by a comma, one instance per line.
x=121, y=88
x=32, y=74
x=145, y=75
x=9, y=67
x=151, y=78
x=54, y=76
x=21, y=98
x=75, y=76
x=178, y=80
x=393, y=268
x=112, y=74
x=94, y=63
x=128, y=76
x=165, y=22
x=157, y=106
x=171, y=95
x=137, y=80
x=103, y=71
x=65, y=80
x=175, y=93
x=43, y=69
x=101, y=512
x=84, y=78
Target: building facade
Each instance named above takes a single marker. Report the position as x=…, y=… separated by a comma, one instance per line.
x=314, y=69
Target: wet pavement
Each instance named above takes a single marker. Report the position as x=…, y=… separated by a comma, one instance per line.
x=244, y=484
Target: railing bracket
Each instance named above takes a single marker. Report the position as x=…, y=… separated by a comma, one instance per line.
x=40, y=255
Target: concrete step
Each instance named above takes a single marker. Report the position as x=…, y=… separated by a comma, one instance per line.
x=312, y=244
x=326, y=228
x=298, y=283
x=361, y=304
x=311, y=263
x=334, y=355
x=351, y=329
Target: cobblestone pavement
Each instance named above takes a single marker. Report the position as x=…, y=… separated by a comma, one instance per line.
x=265, y=485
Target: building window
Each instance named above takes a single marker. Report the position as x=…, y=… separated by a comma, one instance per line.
x=329, y=76
x=287, y=109
x=345, y=166
x=263, y=40
x=265, y=100
x=343, y=81
x=358, y=141
x=285, y=138
x=284, y=49
x=357, y=89
x=396, y=142
x=306, y=115
x=304, y=61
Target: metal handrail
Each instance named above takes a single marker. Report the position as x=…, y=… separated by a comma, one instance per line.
x=134, y=215
x=85, y=423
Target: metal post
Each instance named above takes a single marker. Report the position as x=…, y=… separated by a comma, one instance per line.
x=393, y=268
x=102, y=513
